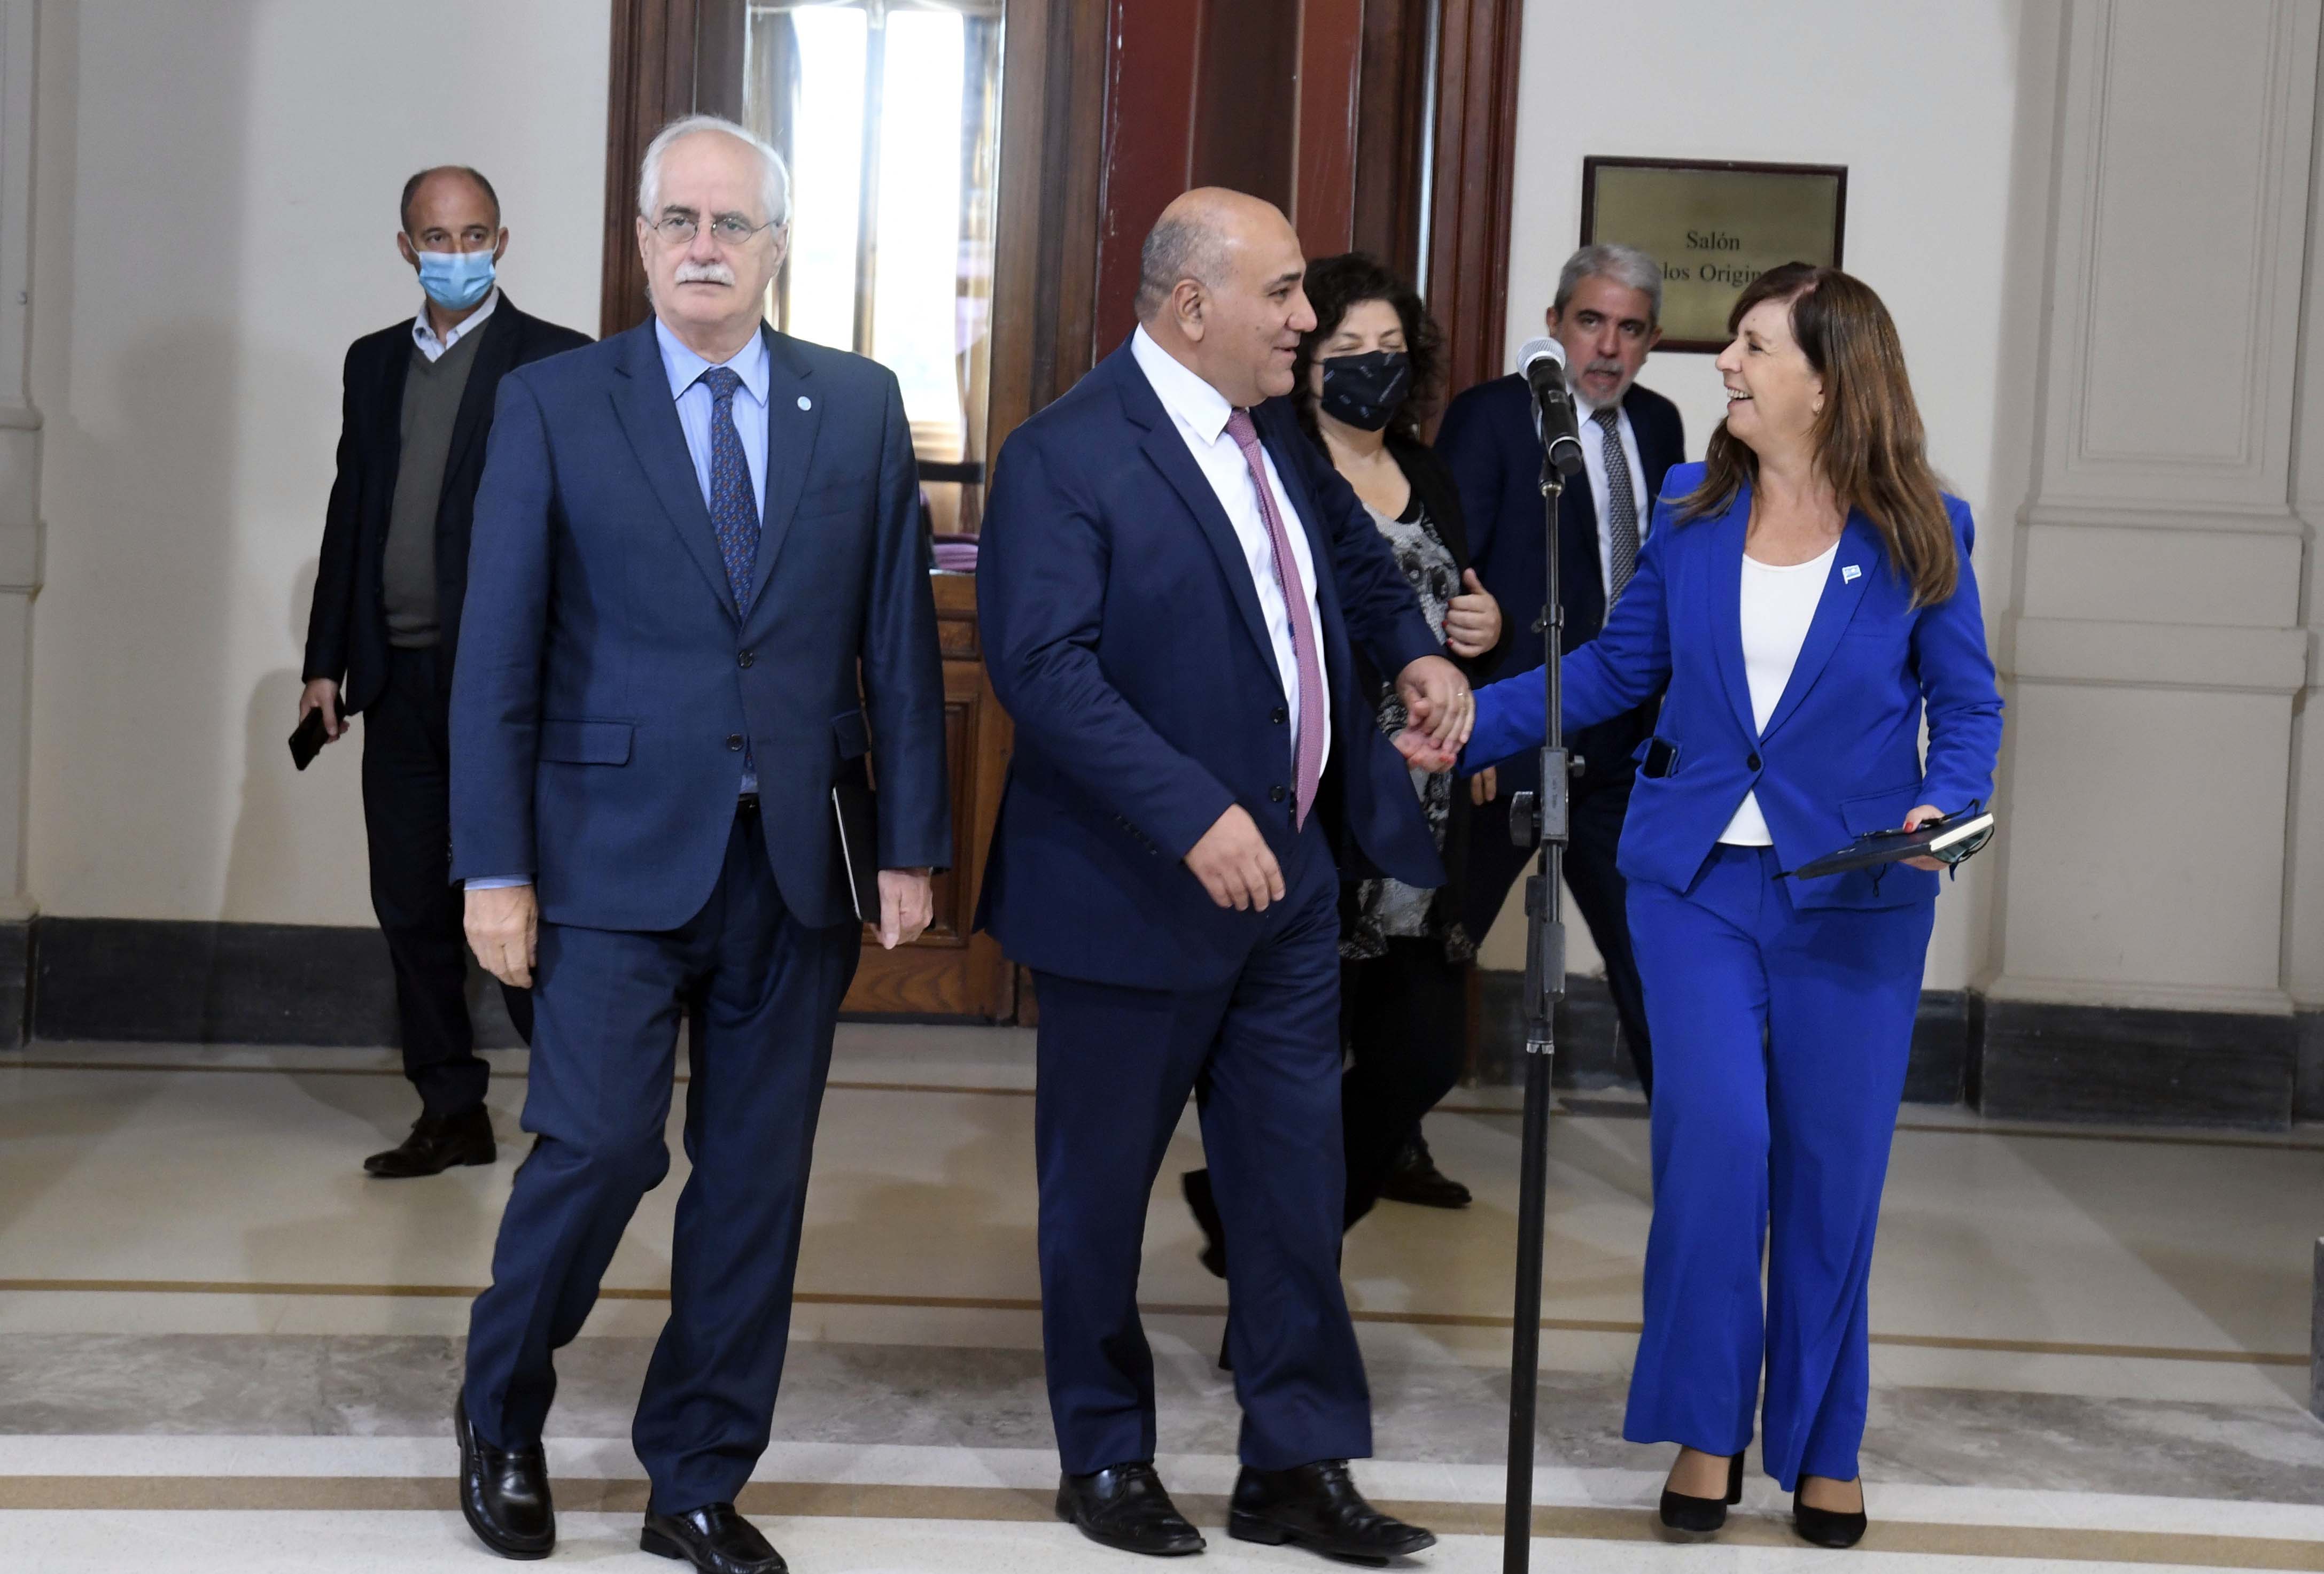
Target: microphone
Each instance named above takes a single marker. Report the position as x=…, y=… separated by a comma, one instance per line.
x=1543, y=361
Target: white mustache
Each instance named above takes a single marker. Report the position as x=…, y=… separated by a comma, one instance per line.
x=704, y=273
x=1612, y=369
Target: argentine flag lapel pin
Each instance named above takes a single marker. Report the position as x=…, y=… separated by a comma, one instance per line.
x=1848, y=573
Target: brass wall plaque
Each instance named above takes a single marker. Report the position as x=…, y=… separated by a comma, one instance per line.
x=1714, y=227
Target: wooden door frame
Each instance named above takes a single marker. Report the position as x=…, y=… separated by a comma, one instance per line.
x=676, y=56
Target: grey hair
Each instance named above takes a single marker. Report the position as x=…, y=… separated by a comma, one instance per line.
x=774, y=183
x=1623, y=264
x=1176, y=249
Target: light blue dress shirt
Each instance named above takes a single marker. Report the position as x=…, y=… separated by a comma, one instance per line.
x=695, y=402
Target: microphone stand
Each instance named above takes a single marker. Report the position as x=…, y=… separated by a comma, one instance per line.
x=1537, y=820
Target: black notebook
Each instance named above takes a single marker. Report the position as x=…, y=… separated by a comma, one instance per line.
x=1949, y=839
x=856, y=810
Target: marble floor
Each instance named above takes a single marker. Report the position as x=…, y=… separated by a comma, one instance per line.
x=222, y=1347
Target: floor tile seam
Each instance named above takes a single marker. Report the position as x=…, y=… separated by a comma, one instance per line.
x=1027, y=1304
x=793, y=1463
x=2257, y=1141
x=784, y=1500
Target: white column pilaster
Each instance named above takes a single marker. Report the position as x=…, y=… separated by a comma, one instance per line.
x=2155, y=648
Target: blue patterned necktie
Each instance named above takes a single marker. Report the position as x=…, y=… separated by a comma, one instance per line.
x=733, y=513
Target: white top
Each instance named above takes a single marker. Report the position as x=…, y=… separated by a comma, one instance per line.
x=423, y=332
x=1200, y=412
x=1778, y=605
x=1593, y=465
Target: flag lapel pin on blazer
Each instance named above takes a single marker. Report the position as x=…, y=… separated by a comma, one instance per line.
x=1848, y=574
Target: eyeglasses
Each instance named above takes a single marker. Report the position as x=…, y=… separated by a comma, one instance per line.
x=679, y=229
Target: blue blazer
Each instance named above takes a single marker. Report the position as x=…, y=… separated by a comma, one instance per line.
x=1488, y=441
x=1841, y=752
x=1123, y=635
x=608, y=687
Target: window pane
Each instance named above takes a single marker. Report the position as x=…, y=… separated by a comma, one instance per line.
x=889, y=112
x=825, y=144
x=914, y=318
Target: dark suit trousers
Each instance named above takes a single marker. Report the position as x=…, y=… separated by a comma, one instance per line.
x=1261, y=1054
x=407, y=824
x=763, y=991
x=1593, y=831
x=1406, y=1022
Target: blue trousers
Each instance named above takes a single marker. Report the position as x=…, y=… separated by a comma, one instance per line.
x=1780, y=1041
x=762, y=992
x=1261, y=1054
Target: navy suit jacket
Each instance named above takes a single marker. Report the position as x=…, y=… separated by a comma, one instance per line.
x=1841, y=752
x=608, y=687
x=1487, y=437
x=1123, y=635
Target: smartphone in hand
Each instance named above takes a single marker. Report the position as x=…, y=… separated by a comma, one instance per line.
x=308, y=740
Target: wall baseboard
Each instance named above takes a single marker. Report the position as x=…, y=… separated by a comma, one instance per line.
x=2042, y=1061
x=1590, y=1056
x=147, y=980
x=151, y=980
x=2308, y=1065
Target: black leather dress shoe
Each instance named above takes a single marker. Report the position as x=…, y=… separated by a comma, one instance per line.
x=1318, y=1506
x=1195, y=1184
x=504, y=1493
x=1826, y=1527
x=1123, y=1506
x=437, y=1142
x=713, y=1538
x=1414, y=1178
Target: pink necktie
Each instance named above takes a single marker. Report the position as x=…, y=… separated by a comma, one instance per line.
x=1295, y=601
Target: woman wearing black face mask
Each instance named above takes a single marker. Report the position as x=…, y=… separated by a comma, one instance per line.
x=1366, y=379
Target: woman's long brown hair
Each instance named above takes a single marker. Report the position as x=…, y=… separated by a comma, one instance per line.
x=1869, y=444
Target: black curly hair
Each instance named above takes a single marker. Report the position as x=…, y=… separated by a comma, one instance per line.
x=1335, y=286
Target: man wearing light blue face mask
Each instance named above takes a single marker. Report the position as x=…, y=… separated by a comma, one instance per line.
x=388, y=590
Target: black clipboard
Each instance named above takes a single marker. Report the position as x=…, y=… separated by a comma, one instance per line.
x=1950, y=839
x=855, y=812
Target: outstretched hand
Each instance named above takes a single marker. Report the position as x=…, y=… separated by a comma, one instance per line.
x=1423, y=753
x=1438, y=700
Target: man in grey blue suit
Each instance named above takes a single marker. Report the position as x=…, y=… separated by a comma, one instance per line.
x=690, y=540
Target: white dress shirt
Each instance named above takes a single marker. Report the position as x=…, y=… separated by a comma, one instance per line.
x=1593, y=463
x=1200, y=412
x=1779, y=603
x=423, y=332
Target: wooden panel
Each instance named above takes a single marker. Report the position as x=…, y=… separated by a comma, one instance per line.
x=1044, y=263
x=651, y=83
x=1476, y=148
x=951, y=971
x=1323, y=185
x=1244, y=112
x=1391, y=133
x=1149, y=129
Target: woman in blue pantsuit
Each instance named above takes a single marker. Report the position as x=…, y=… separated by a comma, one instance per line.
x=1806, y=595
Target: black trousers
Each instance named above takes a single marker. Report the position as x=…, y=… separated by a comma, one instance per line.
x=1593, y=829
x=407, y=824
x=1405, y=1017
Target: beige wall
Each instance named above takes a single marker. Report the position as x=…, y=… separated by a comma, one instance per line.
x=1921, y=103
x=214, y=215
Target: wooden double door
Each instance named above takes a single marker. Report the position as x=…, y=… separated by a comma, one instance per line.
x=1385, y=126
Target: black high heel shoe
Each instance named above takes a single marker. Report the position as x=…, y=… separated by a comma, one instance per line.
x=1703, y=1516
x=1824, y=1527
